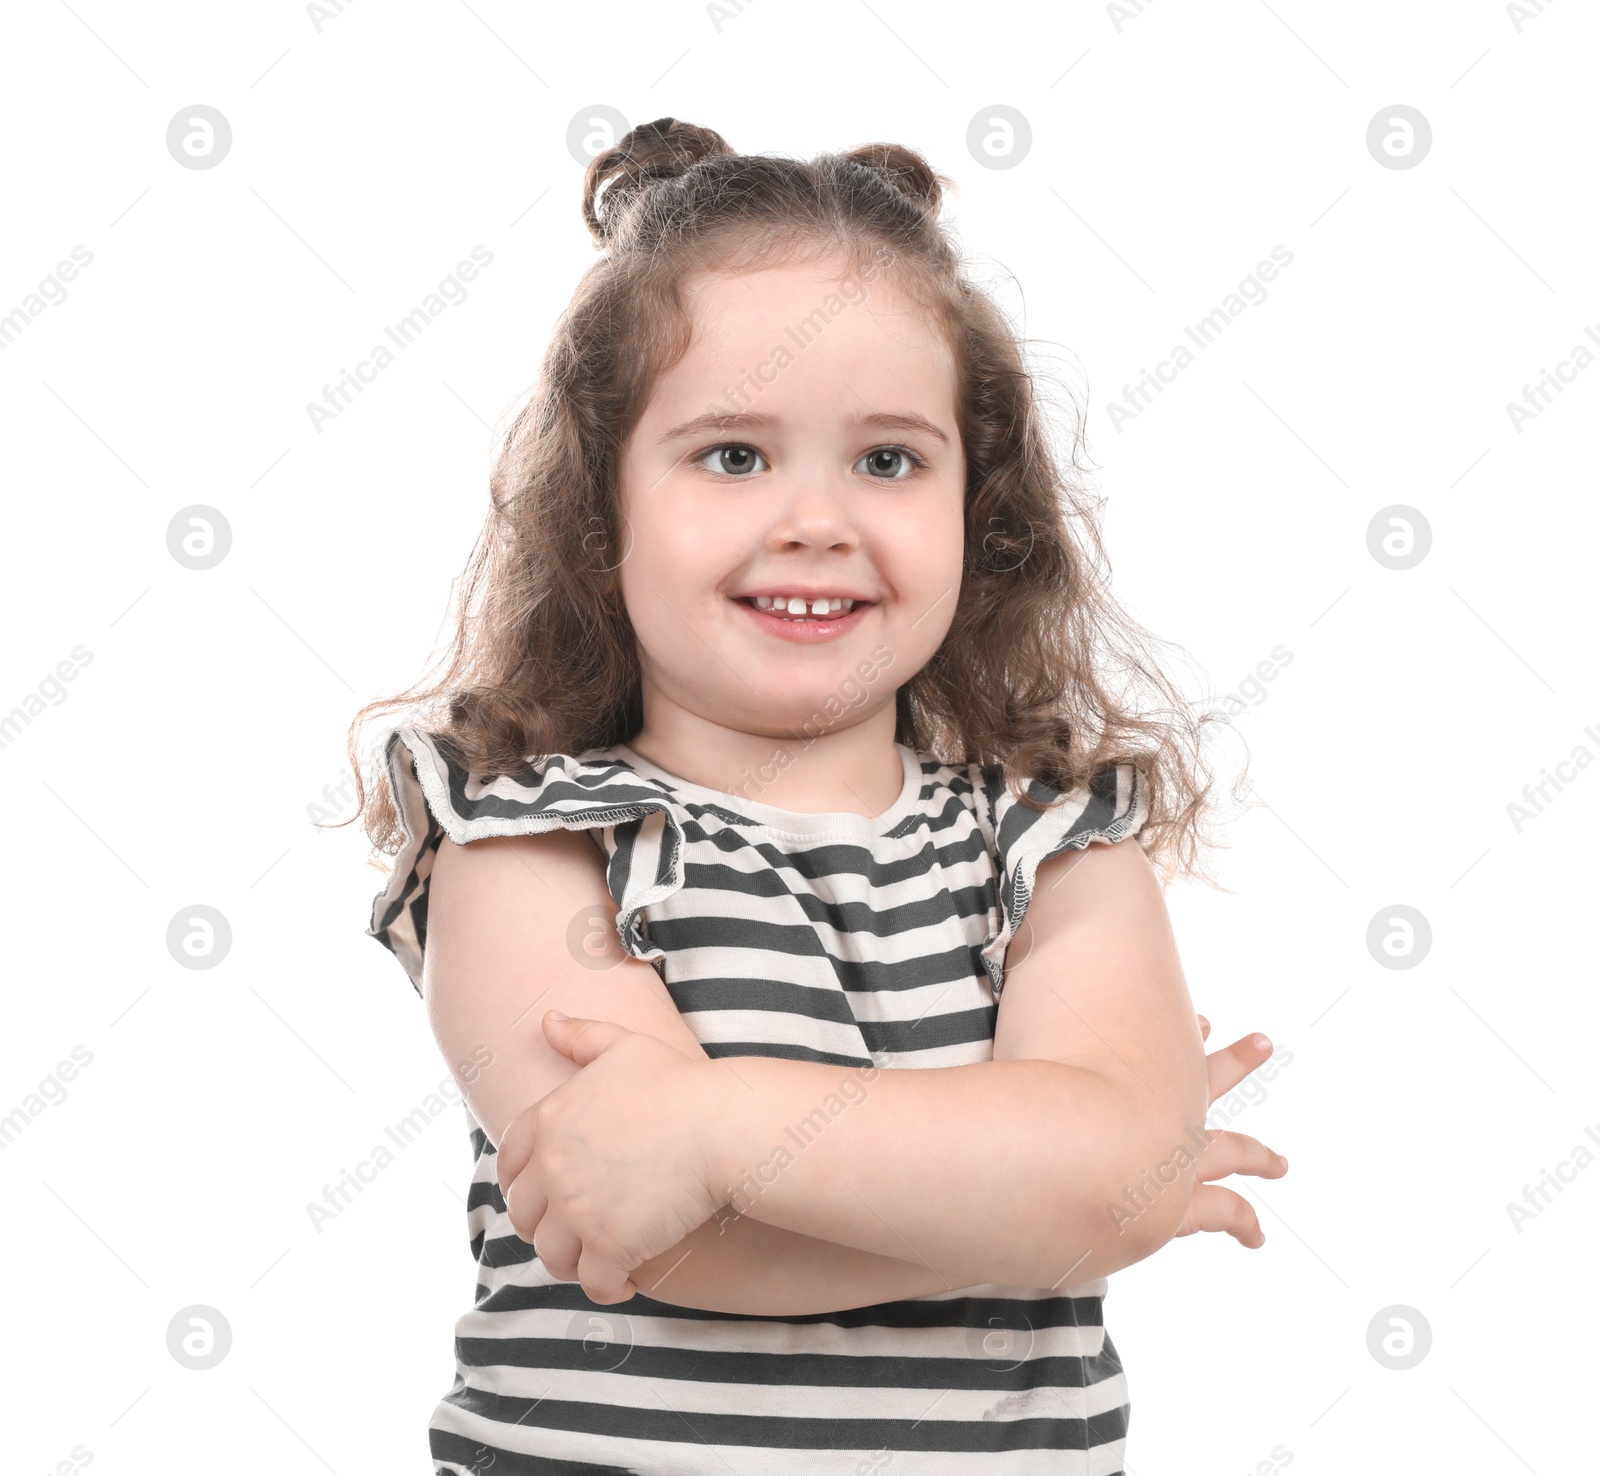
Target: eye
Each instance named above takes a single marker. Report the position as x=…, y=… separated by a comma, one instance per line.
x=890, y=463
x=732, y=460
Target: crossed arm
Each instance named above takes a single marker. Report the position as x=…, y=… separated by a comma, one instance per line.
x=1070, y=1155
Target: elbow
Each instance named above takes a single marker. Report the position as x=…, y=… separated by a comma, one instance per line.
x=1150, y=1209
x=1144, y=1211
x=1137, y=1191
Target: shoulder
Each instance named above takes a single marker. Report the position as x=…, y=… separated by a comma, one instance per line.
x=517, y=904
x=549, y=791
x=1109, y=806
x=438, y=797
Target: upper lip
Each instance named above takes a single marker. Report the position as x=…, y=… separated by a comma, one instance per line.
x=805, y=592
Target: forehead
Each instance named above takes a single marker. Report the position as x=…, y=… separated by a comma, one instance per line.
x=804, y=326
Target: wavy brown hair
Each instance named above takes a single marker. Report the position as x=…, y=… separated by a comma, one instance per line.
x=1041, y=671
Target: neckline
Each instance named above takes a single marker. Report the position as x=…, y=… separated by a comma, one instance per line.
x=818, y=823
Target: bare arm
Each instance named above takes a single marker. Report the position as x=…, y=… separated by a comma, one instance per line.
x=1068, y=1156
x=736, y=1264
x=497, y=958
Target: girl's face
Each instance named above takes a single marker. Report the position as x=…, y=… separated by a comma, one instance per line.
x=805, y=445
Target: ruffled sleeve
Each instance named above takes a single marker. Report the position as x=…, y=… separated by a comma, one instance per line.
x=1107, y=809
x=437, y=797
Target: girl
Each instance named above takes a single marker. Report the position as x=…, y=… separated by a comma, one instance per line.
x=786, y=733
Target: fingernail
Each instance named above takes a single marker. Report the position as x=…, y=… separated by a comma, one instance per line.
x=1283, y=1162
x=1261, y=1043
x=556, y=1015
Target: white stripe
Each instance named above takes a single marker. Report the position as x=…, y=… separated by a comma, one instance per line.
x=618, y=1389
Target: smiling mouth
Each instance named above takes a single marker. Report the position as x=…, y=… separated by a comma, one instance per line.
x=837, y=609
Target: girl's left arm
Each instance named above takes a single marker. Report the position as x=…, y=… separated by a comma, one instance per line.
x=1067, y=1157
x=1070, y=1155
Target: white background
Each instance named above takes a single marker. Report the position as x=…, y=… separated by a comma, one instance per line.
x=1169, y=156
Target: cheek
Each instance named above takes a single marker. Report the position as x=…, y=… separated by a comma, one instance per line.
x=654, y=540
x=929, y=551
x=676, y=556
x=922, y=558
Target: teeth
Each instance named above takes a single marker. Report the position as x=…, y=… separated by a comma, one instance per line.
x=795, y=605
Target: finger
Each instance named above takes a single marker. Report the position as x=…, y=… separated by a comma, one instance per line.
x=526, y=1205
x=558, y=1248
x=1237, y=1153
x=516, y=1148
x=1212, y=1208
x=1226, y=1068
x=603, y=1281
x=1205, y=1027
x=579, y=1039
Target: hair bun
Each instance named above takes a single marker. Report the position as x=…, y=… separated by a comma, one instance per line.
x=659, y=150
x=906, y=170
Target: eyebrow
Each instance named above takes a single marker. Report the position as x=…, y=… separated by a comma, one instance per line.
x=753, y=420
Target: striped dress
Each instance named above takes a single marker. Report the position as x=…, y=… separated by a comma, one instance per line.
x=816, y=937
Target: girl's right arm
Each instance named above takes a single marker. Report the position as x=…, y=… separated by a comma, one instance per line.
x=776, y=1272
x=503, y=923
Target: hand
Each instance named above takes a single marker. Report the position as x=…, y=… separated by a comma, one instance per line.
x=1225, y=1153
x=609, y=1169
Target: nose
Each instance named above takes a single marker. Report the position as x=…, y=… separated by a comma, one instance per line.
x=816, y=510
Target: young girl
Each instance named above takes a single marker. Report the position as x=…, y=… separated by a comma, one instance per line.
x=788, y=731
